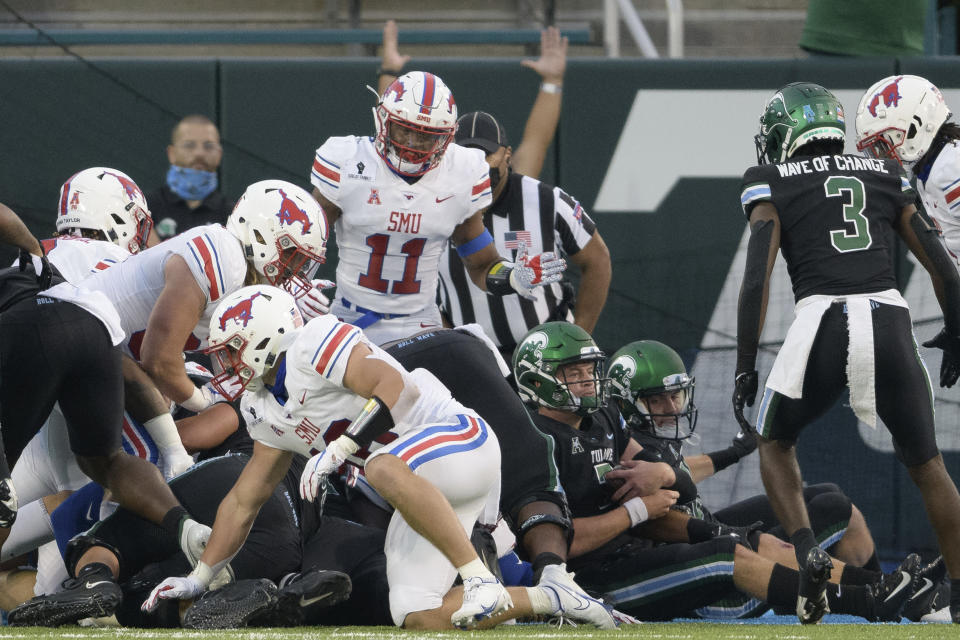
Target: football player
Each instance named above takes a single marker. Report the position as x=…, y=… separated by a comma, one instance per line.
x=835, y=218
x=655, y=396
x=397, y=199
x=559, y=371
x=166, y=295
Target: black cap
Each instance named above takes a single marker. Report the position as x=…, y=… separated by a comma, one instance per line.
x=480, y=129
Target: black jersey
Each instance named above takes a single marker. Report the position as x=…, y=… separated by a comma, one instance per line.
x=585, y=455
x=671, y=452
x=837, y=216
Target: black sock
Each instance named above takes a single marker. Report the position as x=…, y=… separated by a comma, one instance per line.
x=803, y=540
x=850, y=599
x=782, y=588
x=171, y=521
x=542, y=560
x=873, y=564
x=857, y=575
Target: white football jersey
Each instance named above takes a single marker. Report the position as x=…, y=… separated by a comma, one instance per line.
x=76, y=258
x=215, y=258
x=319, y=408
x=391, y=234
x=941, y=195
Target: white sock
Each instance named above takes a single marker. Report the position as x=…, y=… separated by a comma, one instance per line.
x=474, y=569
x=31, y=529
x=163, y=430
x=542, y=600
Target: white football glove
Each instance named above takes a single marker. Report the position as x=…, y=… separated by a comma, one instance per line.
x=312, y=302
x=532, y=272
x=323, y=464
x=185, y=588
x=174, y=461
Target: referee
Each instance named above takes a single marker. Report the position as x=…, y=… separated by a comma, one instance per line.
x=546, y=219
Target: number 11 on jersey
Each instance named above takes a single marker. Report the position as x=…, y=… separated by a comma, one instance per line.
x=373, y=277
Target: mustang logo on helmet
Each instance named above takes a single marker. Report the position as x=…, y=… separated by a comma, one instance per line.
x=242, y=312
x=128, y=185
x=890, y=95
x=290, y=213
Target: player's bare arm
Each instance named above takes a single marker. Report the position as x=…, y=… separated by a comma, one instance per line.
x=208, y=428
x=594, y=531
x=177, y=311
x=331, y=210
x=595, y=274
x=478, y=263
x=240, y=506
x=14, y=232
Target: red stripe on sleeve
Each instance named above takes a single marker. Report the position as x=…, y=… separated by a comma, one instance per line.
x=325, y=171
x=332, y=346
x=207, y=266
x=953, y=195
x=480, y=187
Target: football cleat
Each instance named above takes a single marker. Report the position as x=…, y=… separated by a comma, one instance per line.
x=302, y=593
x=92, y=594
x=812, y=597
x=929, y=595
x=482, y=598
x=571, y=602
x=887, y=597
x=232, y=606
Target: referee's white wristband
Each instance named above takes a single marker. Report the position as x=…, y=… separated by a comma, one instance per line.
x=637, y=511
x=550, y=87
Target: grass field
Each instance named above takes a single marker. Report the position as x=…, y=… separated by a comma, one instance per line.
x=672, y=631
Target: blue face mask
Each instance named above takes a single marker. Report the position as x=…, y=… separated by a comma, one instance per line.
x=191, y=184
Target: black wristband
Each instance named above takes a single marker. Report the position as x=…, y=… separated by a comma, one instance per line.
x=374, y=420
x=724, y=458
x=498, y=279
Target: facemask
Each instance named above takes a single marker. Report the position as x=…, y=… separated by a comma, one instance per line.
x=191, y=184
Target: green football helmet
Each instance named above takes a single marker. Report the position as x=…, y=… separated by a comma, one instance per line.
x=796, y=114
x=539, y=357
x=651, y=385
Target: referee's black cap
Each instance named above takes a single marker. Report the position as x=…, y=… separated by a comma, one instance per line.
x=480, y=129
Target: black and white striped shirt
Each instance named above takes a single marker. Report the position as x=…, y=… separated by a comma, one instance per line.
x=548, y=220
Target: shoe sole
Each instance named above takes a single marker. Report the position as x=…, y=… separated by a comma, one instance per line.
x=221, y=611
x=45, y=613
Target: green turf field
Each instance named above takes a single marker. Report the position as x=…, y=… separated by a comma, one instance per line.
x=689, y=631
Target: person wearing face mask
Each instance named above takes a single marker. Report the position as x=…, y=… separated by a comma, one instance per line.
x=537, y=215
x=189, y=196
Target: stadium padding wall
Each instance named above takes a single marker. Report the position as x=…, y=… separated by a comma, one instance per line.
x=670, y=260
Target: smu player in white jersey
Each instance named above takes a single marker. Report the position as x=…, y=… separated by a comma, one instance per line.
x=166, y=294
x=397, y=199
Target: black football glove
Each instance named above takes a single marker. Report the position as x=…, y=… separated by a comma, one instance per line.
x=950, y=364
x=45, y=275
x=744, y=393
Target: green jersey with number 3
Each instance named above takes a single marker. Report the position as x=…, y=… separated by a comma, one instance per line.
x=837, y=219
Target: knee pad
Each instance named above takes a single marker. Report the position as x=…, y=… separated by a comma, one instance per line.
x=564, y=520
x=79, y=545
x=828, y=510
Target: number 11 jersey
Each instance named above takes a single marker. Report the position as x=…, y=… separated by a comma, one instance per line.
x=391, y=233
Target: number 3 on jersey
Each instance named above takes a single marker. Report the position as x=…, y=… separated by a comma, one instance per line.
x=854, y=203
x=373, y=278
